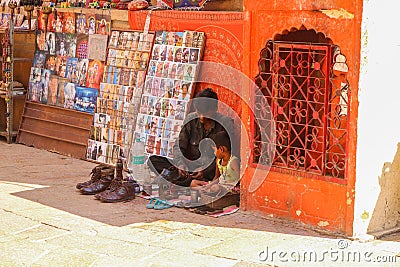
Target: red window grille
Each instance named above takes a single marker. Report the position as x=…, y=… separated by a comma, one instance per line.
x=308, y=106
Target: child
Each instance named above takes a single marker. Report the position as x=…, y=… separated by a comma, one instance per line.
x=227, y=166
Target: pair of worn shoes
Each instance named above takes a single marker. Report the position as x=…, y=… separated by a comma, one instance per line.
x=107, y=188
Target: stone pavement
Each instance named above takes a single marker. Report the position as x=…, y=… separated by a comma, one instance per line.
x=45, y=222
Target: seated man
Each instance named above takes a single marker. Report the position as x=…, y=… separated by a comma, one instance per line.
x=194, y=160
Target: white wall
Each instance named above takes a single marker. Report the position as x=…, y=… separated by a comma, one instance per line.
x=379, y=104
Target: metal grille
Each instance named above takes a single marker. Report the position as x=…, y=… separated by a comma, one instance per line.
x=308, y=107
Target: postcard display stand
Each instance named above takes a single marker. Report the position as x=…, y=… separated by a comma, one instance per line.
x=168, y=87
x=64, y=82
x=120, y=92
x=141, y=98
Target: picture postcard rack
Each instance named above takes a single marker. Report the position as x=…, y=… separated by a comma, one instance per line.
x=120, y=92
x=64, y=82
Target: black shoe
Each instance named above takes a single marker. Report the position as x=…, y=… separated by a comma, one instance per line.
x=107, y=175
x=95, y=175
x=125, y=192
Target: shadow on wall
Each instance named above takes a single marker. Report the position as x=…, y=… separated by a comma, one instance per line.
x=386, y=215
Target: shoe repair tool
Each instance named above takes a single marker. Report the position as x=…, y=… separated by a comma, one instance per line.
x=194, y=196
x=181, y=204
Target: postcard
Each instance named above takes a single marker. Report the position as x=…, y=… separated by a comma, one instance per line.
x=69, y=95
x=71, y=69
x=53, y=90
x=39, y=59
x=97, y=47
x=85, y=99
x=81, y=24
x=69, y=22
x=82, y=42
x=103, y=23
x=94, y=73
x=70, y=44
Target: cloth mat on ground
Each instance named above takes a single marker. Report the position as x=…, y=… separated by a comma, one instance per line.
x=184, y=202
x=226, y=211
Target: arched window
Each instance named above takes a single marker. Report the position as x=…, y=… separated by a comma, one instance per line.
x=302, y=76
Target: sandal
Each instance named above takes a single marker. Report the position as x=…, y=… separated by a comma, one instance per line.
x=200, y=210
x=152, y=203
x=214, y=211
x=160, y=205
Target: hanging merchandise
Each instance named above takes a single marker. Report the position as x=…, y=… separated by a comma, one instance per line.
x=120, y=93
x=19, y=17
x=138, y=5
x=169, y=85
x=97, y=47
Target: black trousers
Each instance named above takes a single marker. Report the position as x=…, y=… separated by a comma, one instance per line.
x=158, y=163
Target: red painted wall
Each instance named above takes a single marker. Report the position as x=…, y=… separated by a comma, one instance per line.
x=320, y=203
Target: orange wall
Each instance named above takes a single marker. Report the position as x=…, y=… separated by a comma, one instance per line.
x=320, y=203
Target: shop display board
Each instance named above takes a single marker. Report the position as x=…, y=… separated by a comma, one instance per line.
x=168, y=87
x=18, y=19
x=69, y=60
x=64, y=82
x=120, y=94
